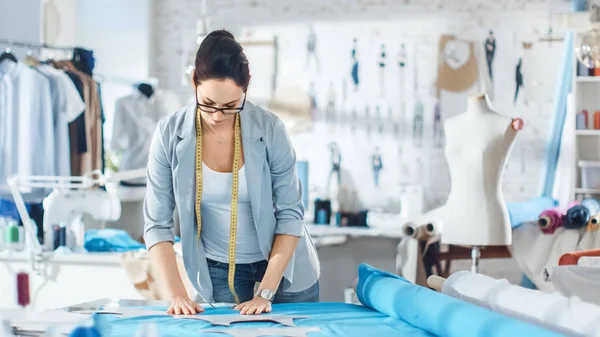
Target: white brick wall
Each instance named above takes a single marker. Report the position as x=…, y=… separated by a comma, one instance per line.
x=420, y=23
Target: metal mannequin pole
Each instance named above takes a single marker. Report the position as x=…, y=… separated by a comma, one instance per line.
x=475, y=254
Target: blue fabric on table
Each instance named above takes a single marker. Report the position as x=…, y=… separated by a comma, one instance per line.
x=439, y=314
x=111, y=240
x=334, y=319
x=529, y=210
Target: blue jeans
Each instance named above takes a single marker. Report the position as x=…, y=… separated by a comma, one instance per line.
x=246, y=276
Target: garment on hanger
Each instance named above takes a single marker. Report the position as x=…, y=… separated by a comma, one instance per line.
x=135, y=119
x=26, y=130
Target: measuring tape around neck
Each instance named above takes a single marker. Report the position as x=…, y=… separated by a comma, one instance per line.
x=234, y=195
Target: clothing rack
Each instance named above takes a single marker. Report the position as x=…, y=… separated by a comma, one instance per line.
x=10, y=43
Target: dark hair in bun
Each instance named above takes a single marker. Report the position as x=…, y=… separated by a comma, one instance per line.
x=220, y=56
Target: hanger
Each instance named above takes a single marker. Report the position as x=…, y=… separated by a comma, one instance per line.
x=8, y=55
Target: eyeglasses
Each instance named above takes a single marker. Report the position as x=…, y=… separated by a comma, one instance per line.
x=225, y=111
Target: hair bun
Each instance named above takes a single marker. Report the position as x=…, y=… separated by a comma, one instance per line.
x=220, y=33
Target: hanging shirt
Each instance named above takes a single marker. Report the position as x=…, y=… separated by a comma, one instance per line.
x=135, y=119
x=67, y=105
x=26, y=125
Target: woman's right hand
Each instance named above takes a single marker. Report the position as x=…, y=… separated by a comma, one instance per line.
x=182, y=305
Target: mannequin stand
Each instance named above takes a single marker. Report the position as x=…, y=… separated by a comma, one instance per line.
x=475, y=255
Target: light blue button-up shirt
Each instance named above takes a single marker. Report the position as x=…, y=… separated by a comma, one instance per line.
x=273, y=186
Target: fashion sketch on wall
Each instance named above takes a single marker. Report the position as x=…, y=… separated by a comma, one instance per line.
x=490, y=50
x=354, y=70
x=368, y=121
x=401, y=58
x=311, y=49
x=382, y=56
x=314, y=109
x=378, y=120
x=336, y=165
x=377, y=165
x=518, y=79
x=330, y=111
x=418, y=121
x=438, y=130
x=353, y=121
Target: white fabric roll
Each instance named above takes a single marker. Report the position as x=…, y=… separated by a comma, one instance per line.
x=556, y=312
x=589, y=261
x=580, y=281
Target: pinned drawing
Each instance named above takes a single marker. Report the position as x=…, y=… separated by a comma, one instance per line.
x=353, y=121
x=378, y=120
x=354, y=71
x=401, y=58
x=311, y=49
x=418, y=122
x=336, y=165
x=377, y=165
x=330, y=112
x=368, y=121
x=490, y=50
x=518, y=79
x=314, y=109
x=382, y=56
x=438, y=137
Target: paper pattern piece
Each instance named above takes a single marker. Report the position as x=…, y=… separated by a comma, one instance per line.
x=260, y=332
x=226, y=320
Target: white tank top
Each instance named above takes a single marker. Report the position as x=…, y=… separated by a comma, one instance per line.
x=216, y=213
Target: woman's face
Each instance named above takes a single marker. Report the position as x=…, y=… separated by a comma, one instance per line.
x=218, y=94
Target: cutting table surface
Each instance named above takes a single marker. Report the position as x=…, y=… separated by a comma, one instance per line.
x=333, y=319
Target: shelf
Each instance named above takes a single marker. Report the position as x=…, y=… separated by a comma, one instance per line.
x=587, y=191
x=588, y=132
x=587, y=79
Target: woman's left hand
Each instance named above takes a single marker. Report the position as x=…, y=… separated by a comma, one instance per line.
x=255, y=306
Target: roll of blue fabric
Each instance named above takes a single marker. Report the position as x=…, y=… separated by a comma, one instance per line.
x=436, y=313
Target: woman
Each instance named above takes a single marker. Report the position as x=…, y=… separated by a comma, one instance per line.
x=218, y=152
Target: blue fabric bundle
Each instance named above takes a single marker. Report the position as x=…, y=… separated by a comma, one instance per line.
x=110, y=240
x=436, y=313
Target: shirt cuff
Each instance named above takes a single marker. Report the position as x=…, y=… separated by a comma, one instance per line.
x=290, y=227
x=157, y=235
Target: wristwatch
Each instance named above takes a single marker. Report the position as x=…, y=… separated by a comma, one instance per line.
x=265, y=294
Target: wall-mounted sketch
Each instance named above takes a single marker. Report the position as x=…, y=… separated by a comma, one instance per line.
x=368, y=121
x=314, y=108
x=438, y=138
x=353, y=121
x=344, y=91
x=490, y=50
x=518, y=78
x=402, y=65
x=377, y=165
x=330, y=112
x=418, y=121
x=378, y=120
x=354, y=71
x=336, y=165
x=311, y=49
x=382, y=56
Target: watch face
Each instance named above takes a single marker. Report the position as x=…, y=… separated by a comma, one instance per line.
x=266, y=294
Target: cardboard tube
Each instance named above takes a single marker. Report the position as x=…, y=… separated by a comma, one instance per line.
x=436, y=282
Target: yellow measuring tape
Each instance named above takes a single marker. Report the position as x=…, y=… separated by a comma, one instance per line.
x=234, y=194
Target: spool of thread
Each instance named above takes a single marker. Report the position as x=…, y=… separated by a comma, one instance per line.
x=23, y=289
x=580, y=122
x=409, y=229
x=578, y=216
x=550, y=220
x=597, y=120
x=587, y=117
x=594, y=223
x=12, y=234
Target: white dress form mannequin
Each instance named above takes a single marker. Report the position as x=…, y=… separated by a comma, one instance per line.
x=478, y=143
